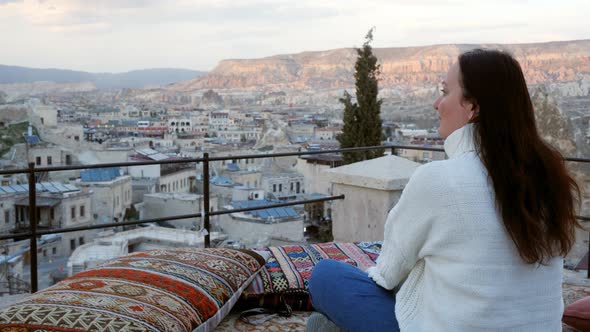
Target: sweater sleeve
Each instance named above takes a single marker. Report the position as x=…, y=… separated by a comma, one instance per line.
x=408, y=227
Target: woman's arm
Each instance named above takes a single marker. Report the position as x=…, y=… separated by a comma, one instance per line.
x=409, y=226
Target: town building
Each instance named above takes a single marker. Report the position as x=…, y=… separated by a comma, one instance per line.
x=112, y=245
x=112, y=193
x=262, y=227
x=171, y=177
x=163, y=204
x=58, y=206
x=284, y=185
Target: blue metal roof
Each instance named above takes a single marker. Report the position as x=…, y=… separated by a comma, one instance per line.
x=100, y=174
x=276, y=214
x=32, y=140
x=52, y=187
x=128, y=123
x=233, y=167
x=221, y=180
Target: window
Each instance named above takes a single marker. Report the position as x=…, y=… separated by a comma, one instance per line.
x=81, y=240
x=73, y=212
x=44, y=252
x=38, y=161
x=291, y=186
x=298, y=187
x=274, y=188
x=82, y=212
x=6, y=216
x=280, y=187
x=51, y=214
x=54, y=251
x=68, y=159
x=49, y=160
x=72, y=244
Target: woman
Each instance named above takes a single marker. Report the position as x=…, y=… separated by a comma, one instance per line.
x=476, y=242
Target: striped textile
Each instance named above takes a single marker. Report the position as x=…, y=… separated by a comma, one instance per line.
x=284, y=278
x=189, y=289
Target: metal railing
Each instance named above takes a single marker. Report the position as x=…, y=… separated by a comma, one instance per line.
x=31, y=171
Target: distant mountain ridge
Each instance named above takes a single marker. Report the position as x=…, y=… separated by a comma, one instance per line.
x=551, y=62
x=132, y=79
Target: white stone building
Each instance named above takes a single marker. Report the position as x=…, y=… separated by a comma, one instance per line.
x=240, y=134
x=180, y=125
x=262, y=227
x=161, y=205
x=58, y=206
x=144, y=238
x=112, y=193
x=49, y=155
x=312, y=166
x=327, y=133
x=284, y=185
x=171, y=177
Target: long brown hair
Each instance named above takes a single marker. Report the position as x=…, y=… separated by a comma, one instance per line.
x=535, y=194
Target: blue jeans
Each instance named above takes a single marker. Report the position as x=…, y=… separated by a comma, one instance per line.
x=350, y=299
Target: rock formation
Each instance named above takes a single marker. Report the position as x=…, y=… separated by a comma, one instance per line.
x=400, y=67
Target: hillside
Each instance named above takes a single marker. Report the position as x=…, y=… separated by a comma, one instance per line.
x=133, y=79
x=551, y=62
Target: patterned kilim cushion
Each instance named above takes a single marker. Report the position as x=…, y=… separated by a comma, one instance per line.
x=285, y=276
x=188, y=289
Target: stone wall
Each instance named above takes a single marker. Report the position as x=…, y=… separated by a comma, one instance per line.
x=371, y=189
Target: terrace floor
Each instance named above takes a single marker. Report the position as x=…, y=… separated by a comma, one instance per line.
x=575, y=287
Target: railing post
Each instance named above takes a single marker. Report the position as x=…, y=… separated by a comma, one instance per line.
x=33, y=226
x=206, y=199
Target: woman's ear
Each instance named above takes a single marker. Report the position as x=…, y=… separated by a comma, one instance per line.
x=474, y=112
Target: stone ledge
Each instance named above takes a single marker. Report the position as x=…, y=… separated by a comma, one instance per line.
x=384, y=173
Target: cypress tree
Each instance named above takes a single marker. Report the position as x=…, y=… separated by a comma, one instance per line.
x=362, y=121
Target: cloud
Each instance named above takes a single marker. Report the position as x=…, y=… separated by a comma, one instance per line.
x=5, y=2
x=64, y=13
x=112, y=35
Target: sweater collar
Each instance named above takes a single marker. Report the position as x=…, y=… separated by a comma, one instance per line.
x=460, y=141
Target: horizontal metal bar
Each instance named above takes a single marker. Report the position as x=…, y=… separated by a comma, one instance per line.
x=237, y=157
x=84, y=228
x=184, y=216
x=583, y=218
x=16, y=171
x=582, y=160
x=305, y=153
x=106, y=165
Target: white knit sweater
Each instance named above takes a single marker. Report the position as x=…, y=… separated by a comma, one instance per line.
x=447, y=253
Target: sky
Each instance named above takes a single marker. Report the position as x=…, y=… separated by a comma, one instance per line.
x=123, y=35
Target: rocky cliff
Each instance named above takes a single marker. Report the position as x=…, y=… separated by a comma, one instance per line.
x=553, y=62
